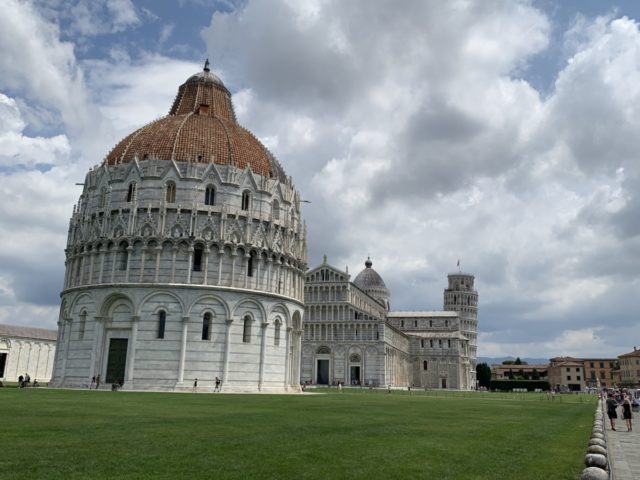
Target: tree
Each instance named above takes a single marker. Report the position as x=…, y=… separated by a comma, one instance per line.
x=507, y=362
x=483, y=375
x=518, y=361
x=511, y=376
x=535, y=375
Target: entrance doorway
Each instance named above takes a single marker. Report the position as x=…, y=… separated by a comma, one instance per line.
x=322, y=372
x=117, y=360
x=444, y=383
x=355, y=375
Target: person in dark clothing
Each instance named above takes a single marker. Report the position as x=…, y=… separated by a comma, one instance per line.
x=626, y=411
x=611, y=411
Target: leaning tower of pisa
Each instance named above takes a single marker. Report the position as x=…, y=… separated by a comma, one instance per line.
x=461, y=296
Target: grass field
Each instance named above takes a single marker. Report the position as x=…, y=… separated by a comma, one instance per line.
x=356, y=434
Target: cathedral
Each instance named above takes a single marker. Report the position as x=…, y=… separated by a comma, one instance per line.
x=185, y=258
x=351, y=337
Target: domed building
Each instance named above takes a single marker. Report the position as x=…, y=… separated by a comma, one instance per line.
x=370, y=282
x=185, y=258
x=350, y=336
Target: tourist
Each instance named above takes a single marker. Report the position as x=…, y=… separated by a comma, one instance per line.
x=611, y=411
x=97, y=381
x=93, y=381
x=340, y=387
x=195, y=384
x=626, y=411
x=21, y=381
x=217, y=387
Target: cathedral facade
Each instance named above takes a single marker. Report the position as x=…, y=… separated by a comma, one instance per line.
x=350, y=336
x=185, y=258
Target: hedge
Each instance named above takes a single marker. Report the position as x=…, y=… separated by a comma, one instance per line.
x=530, y=385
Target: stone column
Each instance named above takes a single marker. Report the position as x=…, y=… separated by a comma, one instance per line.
x=129, y=251
x=245, y=267
x=183, y=347
x=263, y=352
x=227, y=345
x=102, y=257
x=66, y=325
x=190, y=264
x=157, y=272
x=81, y=258
x=114, y=255
x=173, y=263
x=92, y=260
x=98, y=331
x=206, y=264
x=143, y=258
x=135, y=320
x=298, y=356
x=234, y=254
x=220, y=257
x=287, y=360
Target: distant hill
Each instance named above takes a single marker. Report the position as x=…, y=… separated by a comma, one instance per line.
x=490, y=361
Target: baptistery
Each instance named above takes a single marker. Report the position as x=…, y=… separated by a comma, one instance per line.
x=185, y=259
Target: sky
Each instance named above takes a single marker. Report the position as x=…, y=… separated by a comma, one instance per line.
x=503, y=134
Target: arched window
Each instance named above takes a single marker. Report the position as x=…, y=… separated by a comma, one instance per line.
x=431, y=343
x=197, y=258
x=210, y=195
x=83, y=322
x=430, y=323
x=439, y=343
x=103, y=197
x=275, y=209
x=449, y=343
x=250, y=264
x=246, y=200
x=171, y=192
x=206, y=326
x=123, y=256
x=246, y=330
x=424, y=365
x=162, y=320
x=131, y=192
x=422, y=343
x=455, y=300
x=276, y=333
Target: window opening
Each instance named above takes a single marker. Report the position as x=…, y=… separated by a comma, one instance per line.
x=162, y=320
x=131, y=192
x=245, y=200
x=276, y=334
x=206, y=326
x=246, y=330
x=210, y=196
x=171, y=192
x=197, y=258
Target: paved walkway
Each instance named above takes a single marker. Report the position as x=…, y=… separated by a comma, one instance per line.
x=624, y=448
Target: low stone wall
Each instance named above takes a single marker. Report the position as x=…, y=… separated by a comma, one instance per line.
x=597, y=459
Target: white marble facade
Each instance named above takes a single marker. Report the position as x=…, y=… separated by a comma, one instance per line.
x=185, y=268
x=351, y=337
x=26, y=350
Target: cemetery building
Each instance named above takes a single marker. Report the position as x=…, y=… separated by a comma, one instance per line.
x=350, y=336
x=26, y=350
x=185, y=258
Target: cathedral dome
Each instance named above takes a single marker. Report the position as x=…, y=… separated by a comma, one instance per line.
x=371, y=282
x=201, y=127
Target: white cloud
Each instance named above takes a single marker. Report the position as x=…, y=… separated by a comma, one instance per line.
x=18, y=150
x=425, y=144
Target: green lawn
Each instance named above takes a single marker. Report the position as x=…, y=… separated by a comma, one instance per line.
x=356, y=434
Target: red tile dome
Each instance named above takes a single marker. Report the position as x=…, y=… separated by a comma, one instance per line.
x=201, y=127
